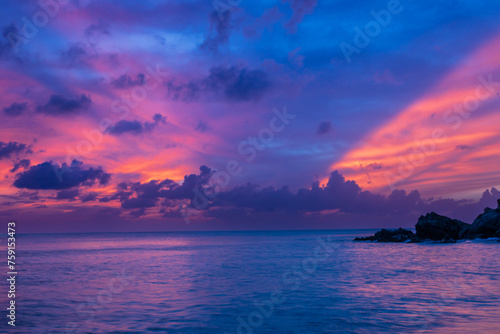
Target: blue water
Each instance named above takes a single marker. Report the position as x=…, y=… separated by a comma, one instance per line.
x=252, y=282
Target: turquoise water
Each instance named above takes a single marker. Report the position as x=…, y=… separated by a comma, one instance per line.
x=253, y=282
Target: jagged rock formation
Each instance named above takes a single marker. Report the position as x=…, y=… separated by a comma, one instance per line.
x=441, y=228
x=486, y=225
x=437, y=228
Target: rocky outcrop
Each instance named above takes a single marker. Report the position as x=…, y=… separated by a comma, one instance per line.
x=399, y=235
x=440, y=228
x=435, y=227
x=486, y=225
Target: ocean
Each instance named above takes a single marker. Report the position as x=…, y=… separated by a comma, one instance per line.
x=252, y=282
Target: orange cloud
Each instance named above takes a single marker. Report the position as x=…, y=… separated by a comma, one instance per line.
x=445, y=143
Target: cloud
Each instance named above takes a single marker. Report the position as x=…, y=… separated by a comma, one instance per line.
x=104, y=179
x=374, y=166
x=49, y=175
x=26, y=194
x=85, y=54
x=138, y=213
x=134, y=203
x=345, y=196
x=135, y=127
x=67, y=194
x=324, y=127
x=15, y=109
x=201, y=127
x=338, y=195
x=12, y=40
x=59, y=105
x=95, y=30
x=88, y=197
x=77, y=53
x=265, y=21
x=161, y=40
x=146, y=195
x=124, y=126
x=300, y=8
x=12, y=148
x=125, y=81
x=23, y=163
x=220, y=30
x=159, y=118
x=233, y=83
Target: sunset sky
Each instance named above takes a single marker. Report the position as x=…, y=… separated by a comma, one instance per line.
x=201, y=115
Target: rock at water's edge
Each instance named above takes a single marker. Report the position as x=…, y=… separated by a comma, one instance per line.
x=440, y=228
x=486, y=225
x=399, y=235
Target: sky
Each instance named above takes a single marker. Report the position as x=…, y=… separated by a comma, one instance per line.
x=241, y=115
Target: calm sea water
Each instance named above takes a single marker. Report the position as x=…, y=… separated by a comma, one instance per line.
x=253, y=282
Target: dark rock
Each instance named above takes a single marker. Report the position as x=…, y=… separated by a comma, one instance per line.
x=372, y=238
x=415, y=240
x=399, y=235
x=436, y=227
x=443, y=229
x=447, y=239
x=486, y=225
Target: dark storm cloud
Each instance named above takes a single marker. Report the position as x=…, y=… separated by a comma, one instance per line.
x=23, y=163
x=67, y=194
x=125, y=81
x=59, y=105
x=12, y=148
x=15, y=109
x=234, y=83
x=135, y=127
x=48, y=175
x=324, y=127
x=220, y=30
